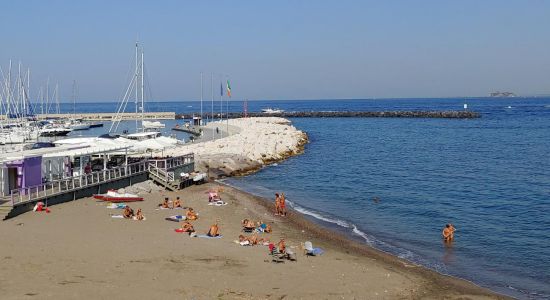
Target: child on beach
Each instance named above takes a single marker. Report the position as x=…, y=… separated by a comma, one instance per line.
x=139, y=215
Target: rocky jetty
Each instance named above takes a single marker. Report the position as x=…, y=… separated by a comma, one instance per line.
x=451, y=114
x=259, y=141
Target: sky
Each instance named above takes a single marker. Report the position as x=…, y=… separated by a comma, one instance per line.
x=274, y=50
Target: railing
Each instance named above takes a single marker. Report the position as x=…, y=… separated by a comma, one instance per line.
x=161, y=173
x=172, y=162
x=59, y=186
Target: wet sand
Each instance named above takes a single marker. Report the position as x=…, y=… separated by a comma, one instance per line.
x=79, y=251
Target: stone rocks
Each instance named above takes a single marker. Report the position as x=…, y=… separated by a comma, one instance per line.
x=259, y=141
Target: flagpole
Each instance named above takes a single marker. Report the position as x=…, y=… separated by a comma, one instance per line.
x=227, y=102
x=212, y=90
x=221, y=105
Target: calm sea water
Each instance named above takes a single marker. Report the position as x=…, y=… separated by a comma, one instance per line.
x=490, y=177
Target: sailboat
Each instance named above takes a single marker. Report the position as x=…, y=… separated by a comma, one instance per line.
x=136, y=87
x=74, y=123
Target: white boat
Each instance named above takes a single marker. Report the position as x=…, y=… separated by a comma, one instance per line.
x=54, y=131
x=140, y=136
x=270, y=110
x=152, y=124
x=508, y=107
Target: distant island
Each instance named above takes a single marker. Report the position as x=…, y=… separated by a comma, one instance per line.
x=502, y=94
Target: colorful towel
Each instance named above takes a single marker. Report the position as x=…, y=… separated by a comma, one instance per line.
x=208, y=237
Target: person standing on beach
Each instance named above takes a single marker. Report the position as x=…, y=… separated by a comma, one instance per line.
x=277, y=204
x=282, y=204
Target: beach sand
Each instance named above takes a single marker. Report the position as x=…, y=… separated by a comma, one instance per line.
x=79, y=252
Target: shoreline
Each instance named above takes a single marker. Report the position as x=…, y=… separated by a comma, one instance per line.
x=435, y=281
x=78, y=250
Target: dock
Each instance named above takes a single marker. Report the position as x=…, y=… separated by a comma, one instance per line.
x=108, y=116
x=194, y=130
x=453, y=114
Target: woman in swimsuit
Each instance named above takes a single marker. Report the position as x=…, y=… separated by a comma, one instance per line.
x=191, y=215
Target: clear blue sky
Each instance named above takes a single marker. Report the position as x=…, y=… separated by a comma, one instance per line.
x=284, y=49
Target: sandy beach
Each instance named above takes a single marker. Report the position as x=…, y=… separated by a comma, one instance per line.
x=79, y=251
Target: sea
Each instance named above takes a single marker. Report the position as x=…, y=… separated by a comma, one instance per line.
x=393, y=183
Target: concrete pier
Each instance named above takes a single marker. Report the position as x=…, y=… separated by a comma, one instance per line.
x=461, y=114
x=107, y=116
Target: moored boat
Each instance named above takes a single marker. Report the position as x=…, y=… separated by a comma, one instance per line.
x=114, y=196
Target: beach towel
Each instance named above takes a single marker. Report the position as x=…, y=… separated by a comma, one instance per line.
x=218, y=203
x=117, y=216
x=136, y=219
x=116, y=206
x=208, y=237
x=163, y=208
x=176, y=218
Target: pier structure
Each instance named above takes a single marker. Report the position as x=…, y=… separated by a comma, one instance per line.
x=108, y=116
x=454, y=114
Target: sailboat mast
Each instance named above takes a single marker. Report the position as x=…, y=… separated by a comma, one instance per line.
x=142, y=93
x=74, y=99
x=57, y=97
x=212, y=91
x=200, y=123
x=135, y=81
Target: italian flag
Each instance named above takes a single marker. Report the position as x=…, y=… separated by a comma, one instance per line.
x=228, y=89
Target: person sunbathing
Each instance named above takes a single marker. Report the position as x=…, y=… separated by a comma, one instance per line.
x=139, y=215
x=187, y=227
x=263, y=227
x=214, y=230
x=191, y=214
x=165, y=203
x=281, y=246
x=176, y=203
x=249, y=240
x=128, y=212
x=248, y=224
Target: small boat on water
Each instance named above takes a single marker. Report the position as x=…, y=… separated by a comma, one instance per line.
x=94, y=125
x=114, y=196
x=152, y=124
x=270, y=110
x=55, y=131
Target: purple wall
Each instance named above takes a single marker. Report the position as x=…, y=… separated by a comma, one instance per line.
x=32, y=171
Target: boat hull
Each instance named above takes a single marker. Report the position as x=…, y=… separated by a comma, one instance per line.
x=116, y=199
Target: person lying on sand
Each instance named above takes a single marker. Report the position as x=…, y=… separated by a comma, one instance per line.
x=176, y=203
x=187, y=227
x=214, y=230
x=252, y=240
x=128, y=212
x=263, y=227
x=191, y=214
x=165, y=203
x=139, y=215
